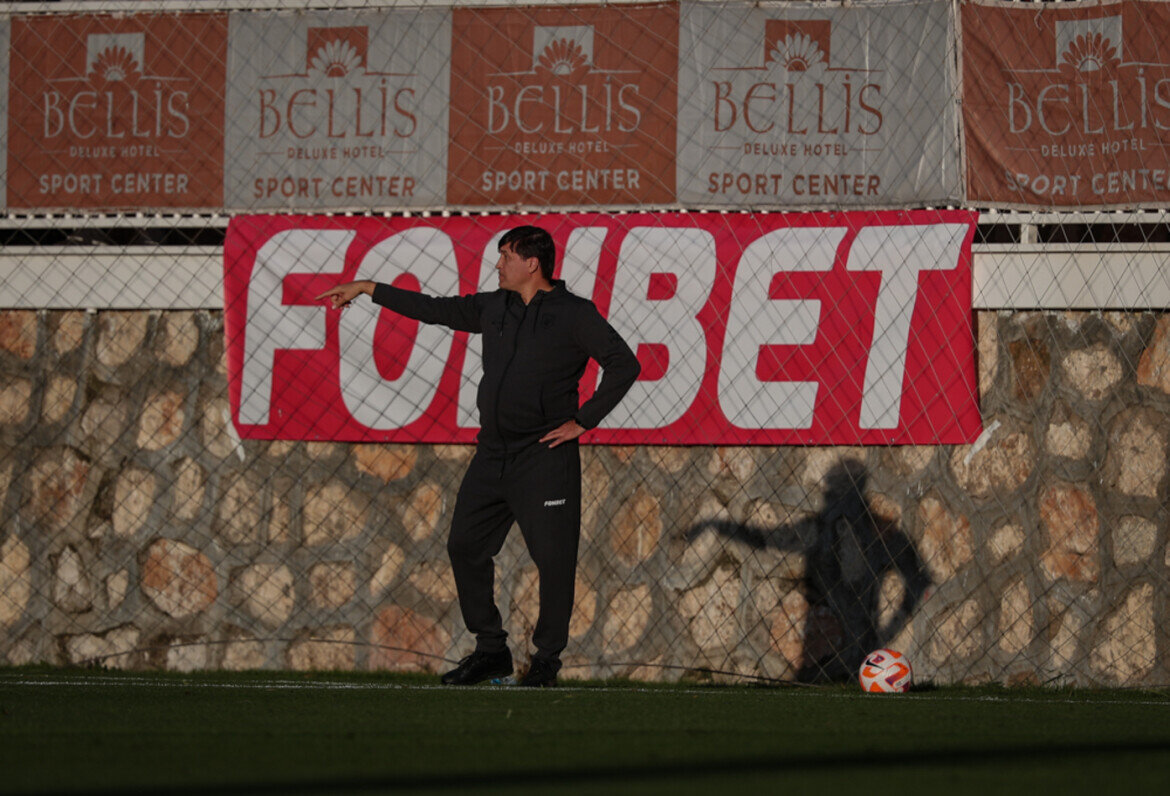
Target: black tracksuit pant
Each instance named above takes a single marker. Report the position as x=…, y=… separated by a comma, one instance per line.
x=540, y=489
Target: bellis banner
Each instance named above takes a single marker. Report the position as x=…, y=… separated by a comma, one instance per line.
x=832, y=329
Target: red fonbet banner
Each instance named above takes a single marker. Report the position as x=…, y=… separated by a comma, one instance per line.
x=832, y=329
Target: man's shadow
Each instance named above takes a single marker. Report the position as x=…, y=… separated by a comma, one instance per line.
x=847, y=550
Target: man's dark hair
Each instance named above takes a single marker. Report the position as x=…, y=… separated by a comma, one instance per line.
x=535, y=242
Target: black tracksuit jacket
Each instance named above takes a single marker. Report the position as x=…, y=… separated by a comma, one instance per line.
x=533, y=357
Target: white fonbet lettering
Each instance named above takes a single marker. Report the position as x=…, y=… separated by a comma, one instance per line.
x=900, y=254
x=756, y=320
x=271, y=325
x=375, y=402
x=683, y=261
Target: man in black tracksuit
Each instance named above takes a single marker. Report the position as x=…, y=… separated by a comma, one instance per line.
x=537, y=339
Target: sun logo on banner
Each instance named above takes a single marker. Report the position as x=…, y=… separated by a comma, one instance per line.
x=797, y=53
x=115, y=58
x=563, y=51
x=336, y=52
x=797, y=46
x=563, y=57
x=1090, y=53
x=114, y=65
x=335, y=58
x=1089, y=49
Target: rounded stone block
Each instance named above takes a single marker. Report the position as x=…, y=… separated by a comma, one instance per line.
x=327, y=649
x=671, y=458
x=18, y=333
x=595, y=486
x=987, y=332
x=161, y=421
x=1134, y=540
x=242, y=651
x=58, y=399
x=1126, y=652
x=265, y=592
x=333, y=512
x=15, y=580
x=389, y=564
x=435, y=581
x=1093, y=371
x=15, y=401
x=422, y=512
x=1154, y=366
x=116, y=648
x=189, y=486
x=70, y=331
x=803, y=633
x=187, y=655
x=178, y=579
x=637, y=527
x=738, y=464
x=405, y=640
x=120, y=335
x=1069, y=518
x=1068, y=435
x=239, y=512
x=215, y=427
x=331, y=584
x=72, y=586
x=104, y=421
x=385, y=462
x=1015, y=627
x=1006, y=541
x=179, y=339
x=820, y=462
x=1137, y=453
x=133, y=497
x=997, y=465
x=1031, y=367
x=59, y=487
x=709, y=610
x=117, y=587
x=956, y=638
x=627, y=619
x=946, y=543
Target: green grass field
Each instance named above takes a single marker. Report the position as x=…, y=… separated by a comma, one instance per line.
x=115, y=732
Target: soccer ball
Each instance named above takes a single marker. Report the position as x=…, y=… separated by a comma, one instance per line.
x=886, y=672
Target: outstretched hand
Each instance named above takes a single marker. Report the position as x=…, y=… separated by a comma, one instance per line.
x=341, y=295
x=566, y=432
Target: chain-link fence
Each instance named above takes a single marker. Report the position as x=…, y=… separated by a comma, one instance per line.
x=205, y=469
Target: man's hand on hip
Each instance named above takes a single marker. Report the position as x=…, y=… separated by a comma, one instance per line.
x=566, y=432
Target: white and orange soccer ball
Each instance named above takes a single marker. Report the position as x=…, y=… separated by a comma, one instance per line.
x=886, y=672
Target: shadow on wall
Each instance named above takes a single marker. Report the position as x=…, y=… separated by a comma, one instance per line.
x=847, y=550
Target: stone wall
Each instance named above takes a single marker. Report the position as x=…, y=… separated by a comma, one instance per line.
x=138, y=531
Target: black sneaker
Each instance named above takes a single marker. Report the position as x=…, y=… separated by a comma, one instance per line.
x=542, y=673
x=479, y=666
